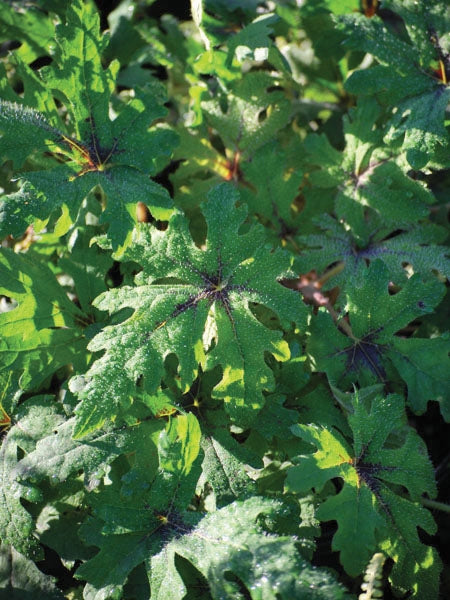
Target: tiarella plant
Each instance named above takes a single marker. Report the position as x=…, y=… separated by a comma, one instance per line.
x=222, y=273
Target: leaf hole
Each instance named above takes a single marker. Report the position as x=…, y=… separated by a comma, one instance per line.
x=40, y=62
x=262, y=116
x=196, y=584
x=265, y=316
x=242, y=591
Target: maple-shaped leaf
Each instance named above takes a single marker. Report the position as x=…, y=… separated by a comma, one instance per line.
x=372, y=349
x=365, y=177
x=35, y=417
x=406, y=74
x=195, y=303
x=415, y=247
x=232, y=550
x=253, y=113
x=371, y=511
x=135, y=516
x=45, y=331
x=118, y=154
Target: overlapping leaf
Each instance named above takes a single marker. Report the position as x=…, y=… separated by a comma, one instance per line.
x=368, y=356
x=416, y=247
x=253, y=41
x=45, y=331
x=37, y=416
x=370, y=510
x=119, y=155
x=270, y=190
x=253, y=110
x=196, y=304
x=224, y=468
x=134, y=517
x=366, y=178
x=232, y=551
x=405, y=75
x=29, y=25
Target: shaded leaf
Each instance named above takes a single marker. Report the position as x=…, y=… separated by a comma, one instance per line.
x=20, y=579
x=37, y=416
x=230, y=548
x=370, y=509
x=368, y=356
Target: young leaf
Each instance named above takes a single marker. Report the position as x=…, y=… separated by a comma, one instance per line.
x=369, y=354
x=370, y=510
x=196, y=304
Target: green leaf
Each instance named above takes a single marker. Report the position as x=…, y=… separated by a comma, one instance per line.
x=369, y=186
x=224, y=468
x=253, y=41
x=119, y=155
x=197, y=304
x=371, y=510
x=77, y=74
x=36, y=417
x=29, y=25
x=43, y=333
x=252, y=116
x=368, y=355
x=420, y=100
x=232, y=551
x=58, y=456
x=20, y=579
x=87, y=267
x=135, y=523
x=414, y=247
x=24, y=131
x=270, y=191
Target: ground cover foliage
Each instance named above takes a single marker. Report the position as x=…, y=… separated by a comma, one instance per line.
x=223, y=358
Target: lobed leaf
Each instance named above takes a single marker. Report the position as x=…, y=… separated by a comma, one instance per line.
x=196, y=304
x=375, y=317
x=231, y=550
x=370, y=509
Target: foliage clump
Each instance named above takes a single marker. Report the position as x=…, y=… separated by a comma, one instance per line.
x=223, y=275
